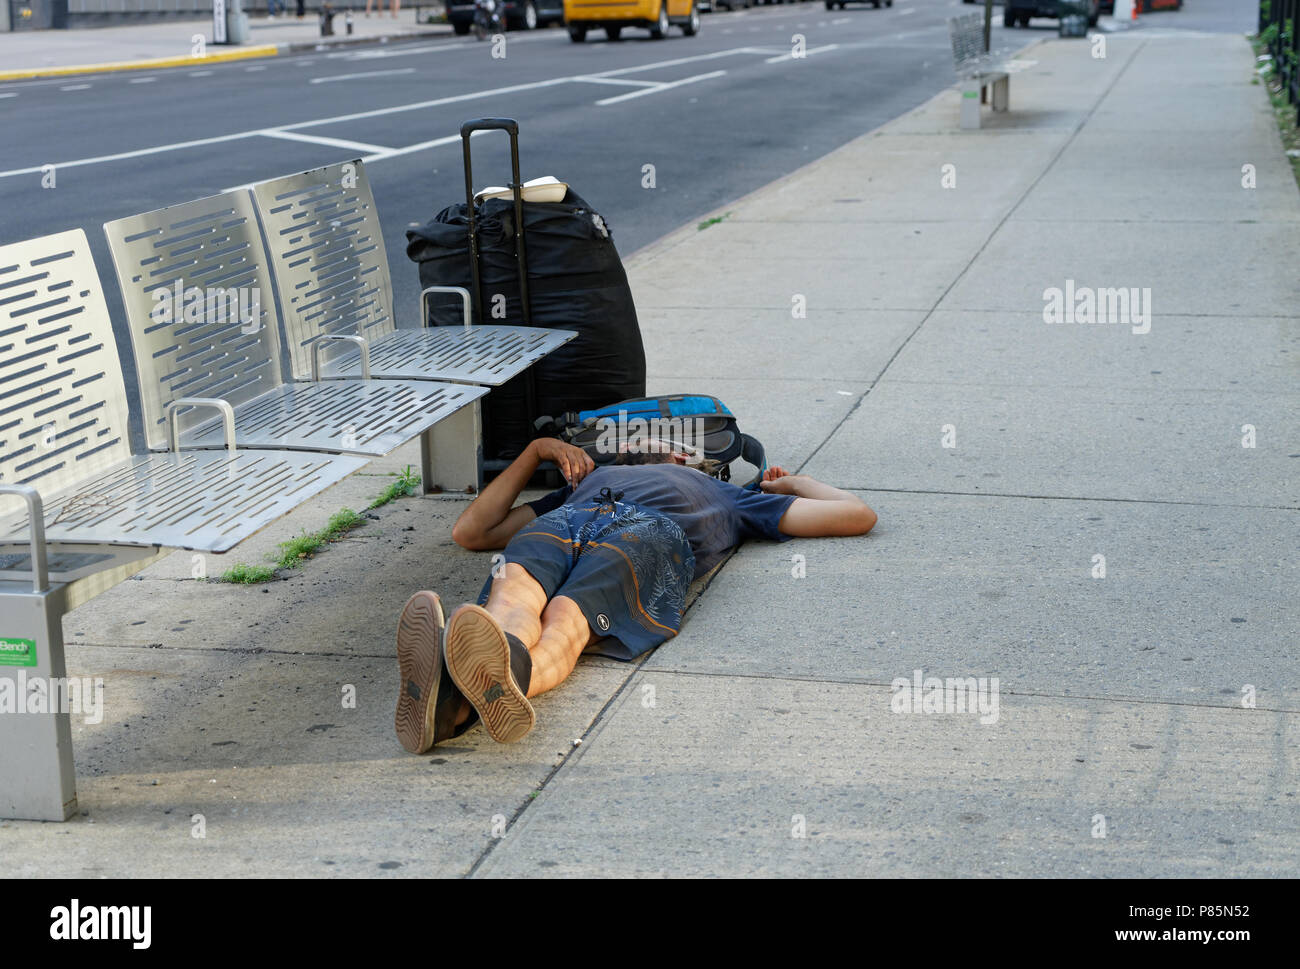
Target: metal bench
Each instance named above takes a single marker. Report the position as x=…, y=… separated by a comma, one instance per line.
x=977, y=68
x=196, y=285
x=92, y=512
x=331, y=267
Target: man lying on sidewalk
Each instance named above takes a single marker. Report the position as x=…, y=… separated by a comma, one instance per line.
x=608, y=557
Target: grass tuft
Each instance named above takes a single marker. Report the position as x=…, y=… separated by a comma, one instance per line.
x=406, y=484
x=296, y=550
x=242, y=574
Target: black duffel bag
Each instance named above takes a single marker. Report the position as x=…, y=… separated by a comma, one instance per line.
x=576, y=282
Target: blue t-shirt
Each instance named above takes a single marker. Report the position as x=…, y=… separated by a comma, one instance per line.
x=715, y=515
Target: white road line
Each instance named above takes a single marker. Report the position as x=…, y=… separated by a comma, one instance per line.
x=9, y=95
x=662, y=87
x=616, y=80
x=142, y=80
x=409, y=149
x=322, y=140
x=353, y=77
x=673, y=63
x=420, y=105
x=74, y=87
x=199, y=73
x=366, y=55
x=138, y=153
x=841, y=20
x=808, y=53
x=904, y=13
x=379, y=112
x=255, y=67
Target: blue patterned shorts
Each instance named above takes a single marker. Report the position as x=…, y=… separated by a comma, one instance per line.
x=628, y=568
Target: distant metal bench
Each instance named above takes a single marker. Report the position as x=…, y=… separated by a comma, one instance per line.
x=196, y=284
x=94, y=512
x=977, y=68
x=327, y=250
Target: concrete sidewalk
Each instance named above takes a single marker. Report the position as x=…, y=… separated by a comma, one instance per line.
x=1148, y=721
x=50, y=53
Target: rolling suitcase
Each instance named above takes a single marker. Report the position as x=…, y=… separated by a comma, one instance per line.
x=550, y=264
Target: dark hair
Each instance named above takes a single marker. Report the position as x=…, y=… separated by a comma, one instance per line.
x=644, y=457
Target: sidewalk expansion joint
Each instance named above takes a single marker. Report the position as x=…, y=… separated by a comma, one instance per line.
x=1122, y=501
x=230, y=650
x=1002, y=691
x=572, y=754
x=597, y=721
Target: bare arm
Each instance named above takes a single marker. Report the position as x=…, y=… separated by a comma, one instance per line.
x=818, y=509
x=490, y=522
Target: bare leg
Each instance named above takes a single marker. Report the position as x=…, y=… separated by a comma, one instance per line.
x=516, y=602
x=565, y=634
x=555, y=633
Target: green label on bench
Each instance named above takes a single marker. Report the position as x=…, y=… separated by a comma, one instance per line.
x=17, y=652
x=970, y=94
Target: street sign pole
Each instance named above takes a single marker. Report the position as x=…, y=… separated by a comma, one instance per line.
x=218, y=21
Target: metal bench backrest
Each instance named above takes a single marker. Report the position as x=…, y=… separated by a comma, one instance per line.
x=199, y=304
x=327, y=252
x=63, y=411
x=967, y=35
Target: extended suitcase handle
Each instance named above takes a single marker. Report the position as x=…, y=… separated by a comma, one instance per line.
x=489, y=124
x=511, y=127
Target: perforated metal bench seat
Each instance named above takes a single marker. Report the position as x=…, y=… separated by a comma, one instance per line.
x=365, y=417
x=197, y=288
x=484, y=355
x=78, y=511
x=331, y=266
x=207, y=501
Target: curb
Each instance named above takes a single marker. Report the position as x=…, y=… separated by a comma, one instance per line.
x=264, y=50
x=312, y=46
x=243, y=53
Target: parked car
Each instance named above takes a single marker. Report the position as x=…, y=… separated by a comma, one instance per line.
x=520, y=14
x=1021, y=10
x=654, y=15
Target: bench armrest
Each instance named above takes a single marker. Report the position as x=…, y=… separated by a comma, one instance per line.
x=35, y=531
x=227, y=414
x=464, y=298
x=319, y=342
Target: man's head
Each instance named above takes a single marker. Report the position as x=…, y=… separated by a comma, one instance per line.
x=648, y=450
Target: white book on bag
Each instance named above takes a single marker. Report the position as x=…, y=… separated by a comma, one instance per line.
x=548, y=188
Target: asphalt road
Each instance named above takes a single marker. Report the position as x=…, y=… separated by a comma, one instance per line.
x=717, y=115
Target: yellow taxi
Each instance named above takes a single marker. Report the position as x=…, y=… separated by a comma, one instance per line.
x=655, y=15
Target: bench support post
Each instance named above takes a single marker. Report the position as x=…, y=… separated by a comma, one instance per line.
x=38, y=777
x=970, y=102
x=451, y=453
x=1002, y=93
